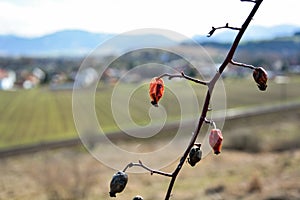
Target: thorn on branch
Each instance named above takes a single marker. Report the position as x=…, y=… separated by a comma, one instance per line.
x=212, y=31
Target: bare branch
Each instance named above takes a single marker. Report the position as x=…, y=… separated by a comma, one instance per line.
x=221, y=27
x=207, y=99
x=182, y=75
x=170, y=76
x=241, y=64
x=211, y=85
x=210, y=122
x=193, y=79
x=140, y=164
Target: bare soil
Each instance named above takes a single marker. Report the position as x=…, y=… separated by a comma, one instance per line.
x=75, y=174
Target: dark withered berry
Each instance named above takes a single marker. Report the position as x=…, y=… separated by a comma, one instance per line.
x=261, y=77
x=195, y=155
x=118, y=183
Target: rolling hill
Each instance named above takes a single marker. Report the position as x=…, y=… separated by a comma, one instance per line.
x=80, y=43
x=76, y=43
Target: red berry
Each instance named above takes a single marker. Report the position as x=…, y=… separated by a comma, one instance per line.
x=156, y=90
x=215, y=140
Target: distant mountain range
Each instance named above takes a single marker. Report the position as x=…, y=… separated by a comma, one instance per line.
x=79, y=43
x=289, y=45
x=64, y=42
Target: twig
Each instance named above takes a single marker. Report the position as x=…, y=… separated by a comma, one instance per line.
x=213, y=29
x=140, y=164
x=211, y=122
x=241, y=64
x=182, y=75
x=193, y=79
x=170, y=76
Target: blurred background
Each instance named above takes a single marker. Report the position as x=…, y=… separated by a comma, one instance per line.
x=44, y=43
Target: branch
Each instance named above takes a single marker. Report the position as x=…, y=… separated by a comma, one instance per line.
x=211, y=85
x=193, y=79
x=241, y=64
x=210, y=122
x=260, y=79
x=221, y=27
x=140, y=164
x=170, y=76
x=182, y=75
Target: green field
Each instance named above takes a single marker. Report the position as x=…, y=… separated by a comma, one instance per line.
x=40, y=115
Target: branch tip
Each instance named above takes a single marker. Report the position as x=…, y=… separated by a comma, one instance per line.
x=213, y=29
x=182, y=75
x=140, y=164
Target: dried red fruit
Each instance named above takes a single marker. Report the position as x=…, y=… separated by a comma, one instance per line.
x=156, y=90
x=118, y=183
x=261, y=77
x=215, y=140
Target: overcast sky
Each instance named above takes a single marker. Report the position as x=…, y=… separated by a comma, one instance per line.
x=189, y=17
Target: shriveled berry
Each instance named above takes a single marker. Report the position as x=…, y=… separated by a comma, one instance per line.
x=156, y=90
x=195, y=155
x=118, y=183
x=215, y=140
x=261, y=77
x=138, y=197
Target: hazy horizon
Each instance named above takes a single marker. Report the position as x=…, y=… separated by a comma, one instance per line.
x=32, y=18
